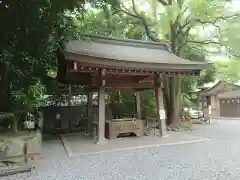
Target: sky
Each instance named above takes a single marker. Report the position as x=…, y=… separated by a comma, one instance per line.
x=236, y=4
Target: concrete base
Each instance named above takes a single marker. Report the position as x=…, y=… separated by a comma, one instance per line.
x=163, y=127
x=101, y=141
x=225, y=118
x=165, y=135
x=77, y=144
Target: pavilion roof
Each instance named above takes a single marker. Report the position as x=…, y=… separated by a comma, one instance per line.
x=229, y=94
x=219, y=87
x=117, y=52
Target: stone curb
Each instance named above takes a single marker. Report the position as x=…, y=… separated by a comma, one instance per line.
x=71, y=154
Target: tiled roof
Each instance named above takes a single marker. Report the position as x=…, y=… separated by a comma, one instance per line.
x=129, y=51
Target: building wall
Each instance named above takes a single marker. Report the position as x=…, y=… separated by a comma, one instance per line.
x=215, y=107
x=230, y=107
x=223, y=107
x=215, y=97
x=214, y=112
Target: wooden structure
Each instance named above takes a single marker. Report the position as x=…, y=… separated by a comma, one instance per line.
x=111, y=64
x=223, y=99
x=67, y=119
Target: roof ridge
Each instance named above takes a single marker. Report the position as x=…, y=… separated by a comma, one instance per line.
x=127, y=42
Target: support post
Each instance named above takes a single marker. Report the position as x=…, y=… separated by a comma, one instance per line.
x=217, y=106
x=159, y=106
x=138, y=103
x=101, y=111
x=69, y=95
x=210, y=113
x=89, y=113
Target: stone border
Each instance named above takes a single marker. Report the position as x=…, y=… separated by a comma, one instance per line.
x=225, y=118
x=66, y=147
x=71, y=154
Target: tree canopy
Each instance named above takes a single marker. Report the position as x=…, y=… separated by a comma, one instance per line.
x=31, y=32
x=228, y=71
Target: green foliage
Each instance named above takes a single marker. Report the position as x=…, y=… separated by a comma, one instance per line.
x=230, y=36
x=122, y=104
x=104, y=22
x=29, y=38
x=228, y=71
x=30, y=34
x=148, y=103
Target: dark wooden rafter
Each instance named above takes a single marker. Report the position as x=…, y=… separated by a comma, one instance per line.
x=93, y=69
x=132, y=85
x=101, y=80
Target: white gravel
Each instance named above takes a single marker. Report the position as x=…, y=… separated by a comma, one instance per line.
x=217, y=159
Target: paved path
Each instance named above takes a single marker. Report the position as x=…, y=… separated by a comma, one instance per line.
x=216, y=159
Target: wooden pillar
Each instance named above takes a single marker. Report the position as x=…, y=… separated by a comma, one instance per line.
x=89, y=113
x=159, y=103
x=69, y=95
x=217, y=105
x=138, y=103
x=101, y=111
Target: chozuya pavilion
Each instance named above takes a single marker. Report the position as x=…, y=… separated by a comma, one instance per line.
x=108, y=64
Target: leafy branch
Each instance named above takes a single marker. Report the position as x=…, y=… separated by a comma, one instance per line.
x=209, y=42
x=163, y=2
x=137, y=15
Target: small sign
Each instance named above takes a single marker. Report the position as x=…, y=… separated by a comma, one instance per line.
x=162, y=114
x=209, y=110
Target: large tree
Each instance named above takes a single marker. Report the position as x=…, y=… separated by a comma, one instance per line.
x=183, y=24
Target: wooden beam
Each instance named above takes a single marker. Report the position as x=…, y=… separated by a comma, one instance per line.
x=111, y=89
x=130, y=85
x=157, y=79
x=102, y=81
x=147, y=79
x=118, y=78
x=113, y=72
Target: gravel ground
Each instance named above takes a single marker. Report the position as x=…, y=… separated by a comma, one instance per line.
x=216, y=159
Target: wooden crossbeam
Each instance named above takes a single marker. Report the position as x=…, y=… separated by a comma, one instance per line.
x=131, y=85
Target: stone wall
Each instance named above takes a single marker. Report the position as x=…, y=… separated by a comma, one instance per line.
x=17, y=145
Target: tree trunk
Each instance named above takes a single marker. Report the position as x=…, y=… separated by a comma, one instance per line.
x=173, y=86
x=172, y=96
x=15, y=124
x=5, y=102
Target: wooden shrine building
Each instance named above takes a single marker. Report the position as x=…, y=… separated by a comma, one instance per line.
x=223, y=100
x=108, y=64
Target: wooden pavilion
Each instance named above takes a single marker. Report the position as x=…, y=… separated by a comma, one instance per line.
x=107, y=64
